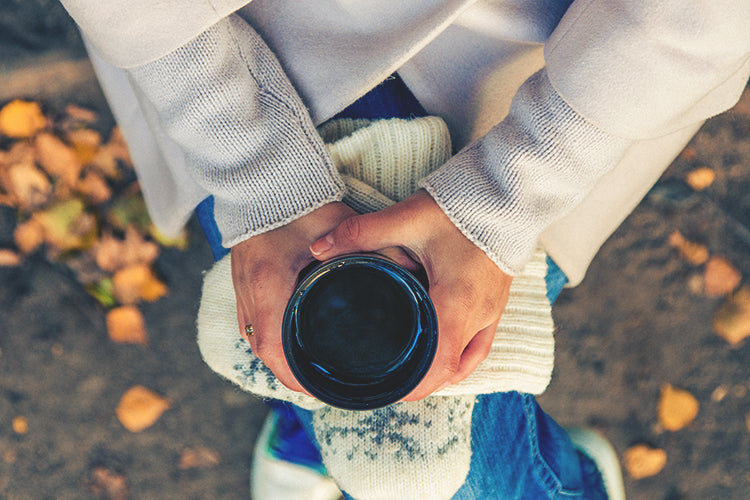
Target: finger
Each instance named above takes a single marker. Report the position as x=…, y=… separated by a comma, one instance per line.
x=474, y=353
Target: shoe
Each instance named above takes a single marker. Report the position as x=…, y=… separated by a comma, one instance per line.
x=600, y=451
x=274, y=479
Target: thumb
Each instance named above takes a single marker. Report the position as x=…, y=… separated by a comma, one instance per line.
x=360, y=233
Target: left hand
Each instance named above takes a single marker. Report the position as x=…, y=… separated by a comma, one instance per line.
x=468, y=290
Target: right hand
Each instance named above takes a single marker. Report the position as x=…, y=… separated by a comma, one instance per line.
x=265, y=268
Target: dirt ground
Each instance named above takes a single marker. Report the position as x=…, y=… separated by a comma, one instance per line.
x=632, y=326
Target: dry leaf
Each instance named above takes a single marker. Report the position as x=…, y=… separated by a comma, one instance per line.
x=86, y=143
x=201, y=457
x=135, y=283
x=700, y=178
x=107, y=485
x=694, y=253
x=181, y=241
x=140, y=408
x=720, y=277
x=689, y=154
x=57, y=159
x=125, y=325
x=20, y=425
x=28, y=185
x=676, y=408
x=9, y=258
x=732, y=319
x=79, y=114
x=21, y=119
x=113, y=254
x=28, y=236
x=643, y=461
x=105, y=163
x=118, y=147
x=94, y=188
x=67, y=226
x=747, y=422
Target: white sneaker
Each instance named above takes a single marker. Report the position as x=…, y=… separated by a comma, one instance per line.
x=597, y=448
x=275, y=479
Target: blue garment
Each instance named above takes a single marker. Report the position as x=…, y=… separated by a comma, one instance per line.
x=518, y=451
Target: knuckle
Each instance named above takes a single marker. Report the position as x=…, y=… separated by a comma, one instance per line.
x=349, y=230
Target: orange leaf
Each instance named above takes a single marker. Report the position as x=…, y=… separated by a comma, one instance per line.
x=140, y=408
x=105, y=484
x=28, y=236
x=94, y=188
x=732, y=319
x=643, y=461
x=28, y=185
x=720, y=277
x=21, y=119
x=700, y=178
x=8, y=258
x=85, y=143
x=137, y=282
x=676, y=408
x=113, y=254
x=79, y=114
x=57, y=159
x=20, y=425
x=694, y=253
x=193, y=458
x=125, y=325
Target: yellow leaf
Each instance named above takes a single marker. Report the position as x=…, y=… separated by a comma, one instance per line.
x=21, y=119
x=137, y=282
x=113, y=254
x=125, y=325
x=8, y=258
x=720, y=277
x=643, y=461
x=57, y=159
x=676, y=408
x=86, y=143
x=700, y=178
x=694, y=253
x=67, y=226
x=732, y=319
x=140, y=408
x=94, y=188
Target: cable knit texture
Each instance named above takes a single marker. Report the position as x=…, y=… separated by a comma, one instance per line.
x=406, y=450
x=505, y=188
x=247, y=137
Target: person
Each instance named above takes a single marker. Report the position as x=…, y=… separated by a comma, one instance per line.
x=563, y=114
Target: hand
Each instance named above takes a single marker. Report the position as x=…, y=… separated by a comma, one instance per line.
x=468, y=290
x=264, y=273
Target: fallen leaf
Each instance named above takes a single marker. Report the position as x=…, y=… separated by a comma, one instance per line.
x=94, y=188
x=113, y=254
x=103, y=291
x=700, y=178
x=201, y=457
x=9, y=258
x=57, y=159
x=732, y=319
x=21, y=119
x=694, y=253
x=689, y=154
x=105, y=484
x=85, y=143
x=719, y=394
x=720, y=277
x=28, y=185
x=140, y=408
x=20, y=425
x=181, y=241
x=676, y=408
x=747, y=422
x=125, y=325
x=136, y=283
x=79, y=114
x=105, y=163
x=644, y=461
x=67, y=226
x=129, y=209
x=28, y=236
x=118, y=147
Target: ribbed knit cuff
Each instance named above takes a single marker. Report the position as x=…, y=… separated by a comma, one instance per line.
x=247, y=137
x=533, y=168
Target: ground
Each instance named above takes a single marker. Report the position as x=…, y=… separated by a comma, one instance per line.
x=636, y=323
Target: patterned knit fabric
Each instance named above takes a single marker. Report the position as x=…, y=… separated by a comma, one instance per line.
x=407, y=450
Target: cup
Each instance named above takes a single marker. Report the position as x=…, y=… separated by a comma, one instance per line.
x=360, y=331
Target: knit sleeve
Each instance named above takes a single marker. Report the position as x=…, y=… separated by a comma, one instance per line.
x=534, y=167
x=247, y=137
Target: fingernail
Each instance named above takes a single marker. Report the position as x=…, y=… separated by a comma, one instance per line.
x=445, y=384
x=322, y=245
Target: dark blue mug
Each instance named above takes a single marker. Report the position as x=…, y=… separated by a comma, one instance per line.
x=360, y=331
